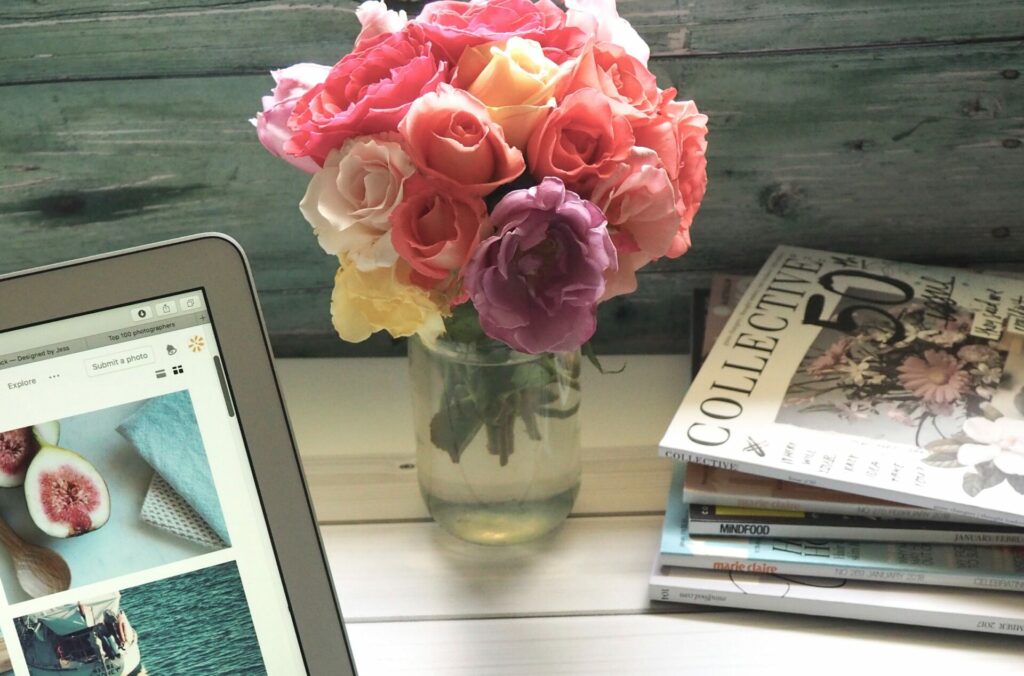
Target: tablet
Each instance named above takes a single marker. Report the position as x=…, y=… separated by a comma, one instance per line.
x=154, y=514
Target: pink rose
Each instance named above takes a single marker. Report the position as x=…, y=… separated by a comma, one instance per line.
x=606, y=67
x=436, y=232
x=639, y=201
x=367, y=92
x=679, y=136
x=600, y=19
x=272, y=124
x=581, y=142
x=376, y=18
x=451, y=139
x=453, y=26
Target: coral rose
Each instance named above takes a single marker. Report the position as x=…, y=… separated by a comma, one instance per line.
x=376, y=18
x=382, y=299
x=272, y=124
x=350, y=200
x=608, y=68
x=437, y=232
x=537, y=282
x=514, y=80
x=581, y=142
x=367, y=92
x=453, y=140
x=679, y=136
x=640, y=205
x=455, y=26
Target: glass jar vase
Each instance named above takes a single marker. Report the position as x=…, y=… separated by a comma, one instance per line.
x=497, y=438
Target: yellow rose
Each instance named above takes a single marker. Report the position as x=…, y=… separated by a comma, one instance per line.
x=514, y=80
x=382, y=298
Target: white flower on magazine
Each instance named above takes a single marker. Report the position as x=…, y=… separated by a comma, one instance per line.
x=859, y=373
x=1000, y=442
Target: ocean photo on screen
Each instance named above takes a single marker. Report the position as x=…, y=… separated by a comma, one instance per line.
x=197, y=623
x=109, y=492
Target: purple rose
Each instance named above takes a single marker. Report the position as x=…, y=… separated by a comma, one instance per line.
x=537, y=282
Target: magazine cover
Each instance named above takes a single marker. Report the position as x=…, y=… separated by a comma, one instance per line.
x=890, y=380
x=973, y=566
x=945, y=607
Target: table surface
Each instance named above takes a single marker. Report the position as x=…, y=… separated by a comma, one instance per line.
x=418, y=601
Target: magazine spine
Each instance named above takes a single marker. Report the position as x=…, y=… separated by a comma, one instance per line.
x=952, y=508
x=700, y=496
x=746, y=529
x=659, y=590
x=965, y=580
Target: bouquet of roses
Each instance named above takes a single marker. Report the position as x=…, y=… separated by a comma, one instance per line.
x=499, y=161
x=492, y=170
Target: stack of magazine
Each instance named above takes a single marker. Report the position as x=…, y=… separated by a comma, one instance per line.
x=852, y=445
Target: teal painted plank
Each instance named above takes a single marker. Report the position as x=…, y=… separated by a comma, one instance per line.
x=49, y=40
x=905, y=153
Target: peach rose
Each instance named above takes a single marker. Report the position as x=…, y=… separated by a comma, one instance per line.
x=679, y=136
x=350, y=200
x=639, y=201
x=514, y=80
x=581, y=142
x=437, y=232
x=382, y=299
x=451, y=139
x=608, y=68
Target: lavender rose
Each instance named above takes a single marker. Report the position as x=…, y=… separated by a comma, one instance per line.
x=537, y=282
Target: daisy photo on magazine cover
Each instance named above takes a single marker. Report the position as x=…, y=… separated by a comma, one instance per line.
x=921, y=380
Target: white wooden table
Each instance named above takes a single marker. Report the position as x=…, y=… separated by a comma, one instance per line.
x=418, y=601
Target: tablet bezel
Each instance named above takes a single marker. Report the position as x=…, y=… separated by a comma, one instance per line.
x=217, y=264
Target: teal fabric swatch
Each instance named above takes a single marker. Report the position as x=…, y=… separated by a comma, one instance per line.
x=165, y=432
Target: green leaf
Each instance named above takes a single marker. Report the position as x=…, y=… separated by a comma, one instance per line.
x=945, y=460
x=463, y=326
x=1016, y=482
x=987, y=476
x=943, y=446
x=529, y=376
x=559, y=413
x=588, y=351
x=457, y=420
x=990, y=411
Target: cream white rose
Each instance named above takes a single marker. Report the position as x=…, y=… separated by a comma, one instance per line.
x=349, y=201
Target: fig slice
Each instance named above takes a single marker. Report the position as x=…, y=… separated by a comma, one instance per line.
x=65, y=494
x=18, y=448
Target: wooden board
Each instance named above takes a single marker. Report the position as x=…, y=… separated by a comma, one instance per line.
x=670, y=645
x=416, y=571
x=886, y=128
x=47, y=41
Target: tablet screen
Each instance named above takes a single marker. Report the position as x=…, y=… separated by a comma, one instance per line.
x=135, y=539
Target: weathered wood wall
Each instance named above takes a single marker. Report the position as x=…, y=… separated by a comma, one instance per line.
x=885, y=127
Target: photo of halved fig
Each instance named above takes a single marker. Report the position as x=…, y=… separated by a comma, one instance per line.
x=65, y=494
x=18, y=448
